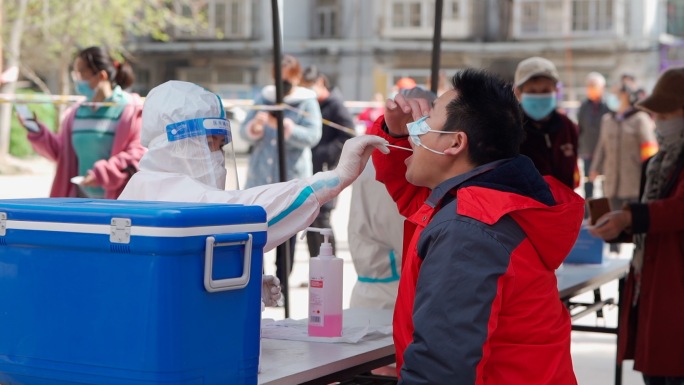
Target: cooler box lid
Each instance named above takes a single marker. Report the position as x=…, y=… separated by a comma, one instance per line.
x=128, y=218
x=142, y=213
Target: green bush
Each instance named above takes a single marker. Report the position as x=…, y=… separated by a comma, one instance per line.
x=46, y=113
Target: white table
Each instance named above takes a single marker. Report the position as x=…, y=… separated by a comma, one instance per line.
x=285, y=362
x=574, y=280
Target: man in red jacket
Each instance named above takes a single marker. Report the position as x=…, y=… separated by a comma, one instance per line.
x=478, y=300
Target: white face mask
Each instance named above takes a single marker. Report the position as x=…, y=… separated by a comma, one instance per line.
x=421, y=127
x=218, y=167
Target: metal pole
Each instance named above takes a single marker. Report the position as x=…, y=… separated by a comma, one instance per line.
x=436, y=46
x=283, y=249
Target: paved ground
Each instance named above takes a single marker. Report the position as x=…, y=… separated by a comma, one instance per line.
x=593, y=354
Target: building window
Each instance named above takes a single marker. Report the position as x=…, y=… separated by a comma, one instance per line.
x=455, y=10
x=675, y=17
x=415, y=19
x=540, y=17
x=217, y=19
x=592, y=15
x=220, y=13
x=628, y=19
x=554, y=18
x=414, y=14
x=233, y=17
x=326, y=19
x=401, y=13
x=530, y=19
x=420, y=13
x=143, y=81
x=408, y=14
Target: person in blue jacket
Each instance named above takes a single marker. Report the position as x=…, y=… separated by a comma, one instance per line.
x=302, y=124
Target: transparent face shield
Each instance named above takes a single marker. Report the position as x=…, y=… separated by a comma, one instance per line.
x=203, y=149
x=232, y=179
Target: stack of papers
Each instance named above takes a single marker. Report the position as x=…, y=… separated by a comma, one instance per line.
x=297, y=330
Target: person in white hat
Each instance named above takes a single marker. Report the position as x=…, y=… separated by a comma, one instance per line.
x=185, y=129
x=551, y=138
x=651, y=316
x=589, y=116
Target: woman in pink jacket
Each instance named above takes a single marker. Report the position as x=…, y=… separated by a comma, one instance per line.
x=102, y=144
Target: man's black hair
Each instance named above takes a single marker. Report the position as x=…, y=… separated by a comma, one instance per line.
x=627, y=76
x=311, y=75
x=486, y=109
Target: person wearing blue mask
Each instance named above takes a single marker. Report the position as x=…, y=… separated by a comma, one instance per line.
x=100, y=143
x=551, y=137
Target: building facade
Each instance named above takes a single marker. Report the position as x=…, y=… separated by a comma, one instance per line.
x=365, y=46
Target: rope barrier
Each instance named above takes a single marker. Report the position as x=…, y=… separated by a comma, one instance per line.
x=228, y=104
x=347, y=130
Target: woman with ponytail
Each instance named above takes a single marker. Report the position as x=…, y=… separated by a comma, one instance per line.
x=100, y=142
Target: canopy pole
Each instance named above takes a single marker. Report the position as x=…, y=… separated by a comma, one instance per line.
x=436, y=46
x=283, y=250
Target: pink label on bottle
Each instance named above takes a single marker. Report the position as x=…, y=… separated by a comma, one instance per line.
x=317, y=283
x=331, y=326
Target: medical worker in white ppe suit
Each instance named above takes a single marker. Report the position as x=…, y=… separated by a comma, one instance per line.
x=376, y=234
x=184, y=128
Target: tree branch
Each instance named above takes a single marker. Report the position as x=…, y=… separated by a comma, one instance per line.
x=31, y=75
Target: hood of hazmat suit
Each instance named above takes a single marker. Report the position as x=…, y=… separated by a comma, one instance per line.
x=185, y=129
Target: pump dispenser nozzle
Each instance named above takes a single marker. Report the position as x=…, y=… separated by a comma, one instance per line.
x=326, y=247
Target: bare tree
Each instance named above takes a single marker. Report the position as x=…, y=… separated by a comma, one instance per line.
x=2, y=16
x=13, y=60
x=56, y=30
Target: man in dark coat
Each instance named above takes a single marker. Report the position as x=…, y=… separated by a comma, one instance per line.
x=337, y=128
x=589, y=121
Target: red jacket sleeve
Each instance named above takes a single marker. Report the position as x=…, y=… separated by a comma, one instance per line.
x=391, y=171
x=667, y=215
x=49, y=144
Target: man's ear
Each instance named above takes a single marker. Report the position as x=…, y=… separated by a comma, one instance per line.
x=458, y=144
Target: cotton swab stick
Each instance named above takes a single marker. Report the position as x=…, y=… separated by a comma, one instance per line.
x=399, y=147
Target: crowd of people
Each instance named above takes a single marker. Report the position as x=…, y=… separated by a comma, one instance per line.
x=460, y=218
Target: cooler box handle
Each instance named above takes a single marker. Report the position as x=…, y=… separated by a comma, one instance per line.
x=224, y=240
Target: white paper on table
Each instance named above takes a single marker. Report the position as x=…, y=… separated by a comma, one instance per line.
x=298, y=330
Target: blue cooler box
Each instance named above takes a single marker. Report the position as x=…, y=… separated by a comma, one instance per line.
x=587, y=249
x=116, y=292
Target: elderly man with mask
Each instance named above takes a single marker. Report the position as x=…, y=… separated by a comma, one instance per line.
x=184, y=128
x=652, y=334
x=589, y=117
x=551, y=138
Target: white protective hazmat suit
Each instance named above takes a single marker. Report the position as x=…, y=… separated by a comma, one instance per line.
x=184, y=169
x=375, y=234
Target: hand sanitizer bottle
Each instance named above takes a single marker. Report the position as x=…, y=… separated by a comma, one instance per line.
x=325, y=290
